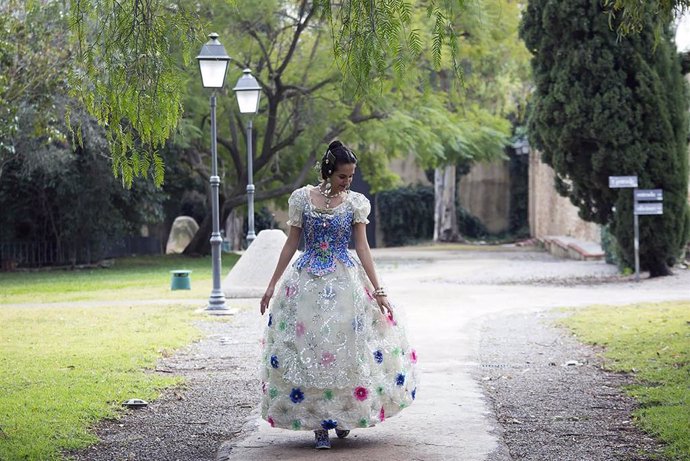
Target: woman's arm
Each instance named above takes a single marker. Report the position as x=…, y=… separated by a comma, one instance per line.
x=364, y=254
x=286, y=255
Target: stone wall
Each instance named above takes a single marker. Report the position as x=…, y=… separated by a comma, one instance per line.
x=549, y=213
x=485, y=192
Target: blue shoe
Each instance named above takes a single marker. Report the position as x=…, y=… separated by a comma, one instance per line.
x=341, y=433
x=322, y=440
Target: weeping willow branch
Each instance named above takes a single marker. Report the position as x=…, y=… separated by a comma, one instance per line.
x=127, y=76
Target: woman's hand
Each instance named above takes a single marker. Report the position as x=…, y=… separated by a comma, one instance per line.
x=265, y=299
x=385, y=306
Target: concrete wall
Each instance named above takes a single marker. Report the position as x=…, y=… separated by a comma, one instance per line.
x=485, y=192
x=549, y=213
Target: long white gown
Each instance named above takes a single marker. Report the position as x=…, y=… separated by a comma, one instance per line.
x=330, y=358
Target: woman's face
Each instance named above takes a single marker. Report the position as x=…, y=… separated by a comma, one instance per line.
x=342, y=177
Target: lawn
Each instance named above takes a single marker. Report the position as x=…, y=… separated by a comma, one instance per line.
x=144, y=277
x=65, y=367
x=651, y=341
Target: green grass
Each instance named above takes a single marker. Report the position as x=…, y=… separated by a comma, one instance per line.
x=652, y=341
x=141, y=277
x=64, y=368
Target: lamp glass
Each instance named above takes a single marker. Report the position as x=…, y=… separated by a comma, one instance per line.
x=212, y=72
x=248, y=101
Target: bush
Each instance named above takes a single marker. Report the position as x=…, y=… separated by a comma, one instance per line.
x=406, y=214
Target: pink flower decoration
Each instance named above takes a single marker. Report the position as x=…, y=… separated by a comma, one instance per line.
x=327, y=359
x=290, y=291
x=361, y=393
x=382, y=415
x=391, y=321
x=413, y=356
x=271, y=422
x=263, y=386
x=299, y=329
x=323, y=246
x=371, y=297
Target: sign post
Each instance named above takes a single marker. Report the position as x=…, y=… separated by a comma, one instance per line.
x=645, y=202
x=626, y=182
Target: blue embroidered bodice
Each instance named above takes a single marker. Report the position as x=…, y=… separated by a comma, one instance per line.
x=326, y=232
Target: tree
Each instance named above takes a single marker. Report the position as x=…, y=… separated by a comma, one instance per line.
x=302, y=106
x=632, y=16
x=604, y=107
x=33, y=68
x=129, y=80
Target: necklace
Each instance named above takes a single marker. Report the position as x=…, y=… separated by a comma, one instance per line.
x=328, y=197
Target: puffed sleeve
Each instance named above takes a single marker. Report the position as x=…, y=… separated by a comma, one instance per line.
x=362, y=208
x=296, y=204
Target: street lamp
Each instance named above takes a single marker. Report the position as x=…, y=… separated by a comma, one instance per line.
x=213, y=63
x=248, y=93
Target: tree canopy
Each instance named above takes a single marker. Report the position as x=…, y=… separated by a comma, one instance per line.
x=604, y=107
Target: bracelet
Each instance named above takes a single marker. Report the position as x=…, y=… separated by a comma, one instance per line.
x=380, y=291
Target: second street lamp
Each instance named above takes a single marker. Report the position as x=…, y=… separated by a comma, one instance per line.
x=213, y=64
x=248, y=93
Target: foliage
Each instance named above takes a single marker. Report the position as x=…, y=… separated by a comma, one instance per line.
x=69, y=199
x=649, y=341
x=129, y=78
x=368, y=36
x=607, y=108
x=406, y=214
x=519, y=195
x=633, y=16
x=33, y=69
x=469, y=225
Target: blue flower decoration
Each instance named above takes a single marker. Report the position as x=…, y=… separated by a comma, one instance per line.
x=274, y=361
x=400, y=379
x=270, y=319
x=414, y=393
x=329, y=424
x=296, y=395
x=378, y=356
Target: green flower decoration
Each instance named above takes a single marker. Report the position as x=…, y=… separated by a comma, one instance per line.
x=328, y=394
x=402, y=405
x=297, y=424
x=396, y=352
x=363, y=422
x=379, y=390
x=282, y=325
x=273, y=392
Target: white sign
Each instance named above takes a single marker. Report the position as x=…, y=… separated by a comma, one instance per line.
x=649, y=195
x=649, y=208
x=616, y=182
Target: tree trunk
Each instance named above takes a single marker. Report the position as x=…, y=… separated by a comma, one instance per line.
x=445, y=216
x=659, y=269
x=234, y=230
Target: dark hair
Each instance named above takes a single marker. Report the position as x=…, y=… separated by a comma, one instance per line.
x=336, y=154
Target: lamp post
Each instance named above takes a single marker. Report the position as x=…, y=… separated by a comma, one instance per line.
x=213, y=63
x=248, y=93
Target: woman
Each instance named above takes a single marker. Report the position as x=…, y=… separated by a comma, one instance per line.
x=334, y=355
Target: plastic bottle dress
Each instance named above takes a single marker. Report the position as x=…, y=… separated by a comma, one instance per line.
x=331, y=359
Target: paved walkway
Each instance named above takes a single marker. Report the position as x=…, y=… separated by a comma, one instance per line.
x=446, y=296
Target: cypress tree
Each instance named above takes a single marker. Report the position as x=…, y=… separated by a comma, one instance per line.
x=605, y=106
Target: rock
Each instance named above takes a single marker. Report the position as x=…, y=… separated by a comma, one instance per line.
x=181, y=233
x=251, y=274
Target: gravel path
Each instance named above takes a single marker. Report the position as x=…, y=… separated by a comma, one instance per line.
x=552, y=398
x=546, y=409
